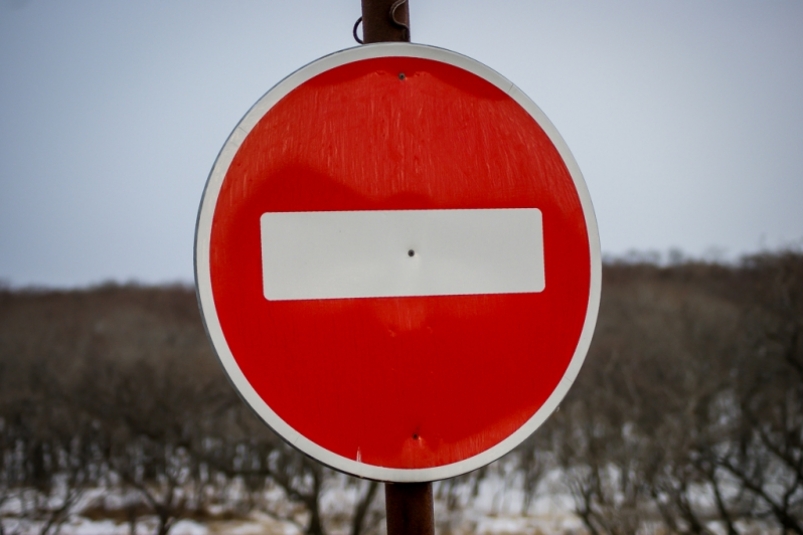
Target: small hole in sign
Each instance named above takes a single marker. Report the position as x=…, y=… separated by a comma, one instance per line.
x=415, y=437
x=411, y=253
x=402, y=76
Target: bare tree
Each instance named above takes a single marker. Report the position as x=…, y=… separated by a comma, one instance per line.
x=766, y=453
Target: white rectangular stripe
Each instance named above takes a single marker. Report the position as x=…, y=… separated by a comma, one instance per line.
x=395, y=253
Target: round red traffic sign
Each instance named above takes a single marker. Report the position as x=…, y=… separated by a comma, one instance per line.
x=398, y=263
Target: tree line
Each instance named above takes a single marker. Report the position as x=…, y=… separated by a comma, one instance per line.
x=687, y=416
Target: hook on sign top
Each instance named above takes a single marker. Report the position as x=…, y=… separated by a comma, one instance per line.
x=398, y=263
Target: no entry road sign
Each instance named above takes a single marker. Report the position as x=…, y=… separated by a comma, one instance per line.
x=398, y=263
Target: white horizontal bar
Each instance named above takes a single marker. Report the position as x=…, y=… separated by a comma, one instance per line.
x=395, y=253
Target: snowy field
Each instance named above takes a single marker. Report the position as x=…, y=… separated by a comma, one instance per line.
x=495, y=509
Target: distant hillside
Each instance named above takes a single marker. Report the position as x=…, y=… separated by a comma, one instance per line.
x=687, y=415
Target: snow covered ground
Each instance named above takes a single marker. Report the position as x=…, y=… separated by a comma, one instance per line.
x=495, y=510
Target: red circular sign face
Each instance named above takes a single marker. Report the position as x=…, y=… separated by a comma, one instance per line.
x=384, y=369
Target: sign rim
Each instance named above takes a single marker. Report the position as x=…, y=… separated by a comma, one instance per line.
x=203, y=282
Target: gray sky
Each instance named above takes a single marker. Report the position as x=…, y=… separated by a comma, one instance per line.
x=686, y=116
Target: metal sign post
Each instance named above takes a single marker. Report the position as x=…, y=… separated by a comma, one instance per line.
x=384, y=20
x=409, y=509
x=409, y=506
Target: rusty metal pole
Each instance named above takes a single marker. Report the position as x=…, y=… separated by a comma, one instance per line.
x=408, y=505
x=409, y=509
x=385, y=20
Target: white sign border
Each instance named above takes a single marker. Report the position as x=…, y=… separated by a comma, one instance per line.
x=203, y=280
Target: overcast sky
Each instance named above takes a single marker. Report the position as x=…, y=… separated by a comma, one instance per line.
x=685, y=116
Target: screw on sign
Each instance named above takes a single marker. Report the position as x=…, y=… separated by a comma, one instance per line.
x=398, y=262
